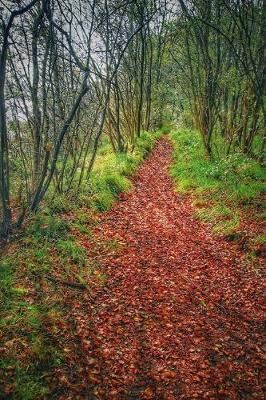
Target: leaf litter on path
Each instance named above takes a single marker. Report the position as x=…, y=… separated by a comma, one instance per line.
x=178, y=317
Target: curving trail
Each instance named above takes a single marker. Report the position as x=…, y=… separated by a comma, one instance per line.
x=180, y=316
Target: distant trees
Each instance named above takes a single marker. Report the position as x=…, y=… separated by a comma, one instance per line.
x=134, y=90
x=220, y=58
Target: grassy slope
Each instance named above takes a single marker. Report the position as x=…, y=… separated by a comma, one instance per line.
x=224, y=190
x=49, y=246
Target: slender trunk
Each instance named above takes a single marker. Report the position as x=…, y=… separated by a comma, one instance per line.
x=4, y=164
x=35, y=100
x=140, y=105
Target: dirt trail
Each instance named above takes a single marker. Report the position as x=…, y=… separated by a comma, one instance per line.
x=179, y=317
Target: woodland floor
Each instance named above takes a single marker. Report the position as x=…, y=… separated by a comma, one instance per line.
x=179, y=316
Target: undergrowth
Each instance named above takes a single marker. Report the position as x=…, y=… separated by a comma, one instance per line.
x=221, y=187
x=48, y=246
x=111, y=172
x=28, y=353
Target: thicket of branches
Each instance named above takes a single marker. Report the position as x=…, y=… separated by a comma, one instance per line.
x=71, y=71
x=217, y=56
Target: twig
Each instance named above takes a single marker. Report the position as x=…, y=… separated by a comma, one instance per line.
x=75, y=285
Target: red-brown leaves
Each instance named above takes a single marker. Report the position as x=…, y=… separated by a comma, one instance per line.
x=179, y=317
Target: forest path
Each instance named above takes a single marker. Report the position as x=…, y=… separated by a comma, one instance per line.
x=179, y=316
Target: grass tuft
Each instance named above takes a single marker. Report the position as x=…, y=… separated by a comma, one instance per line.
x=71, y=252
x=47, y=227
